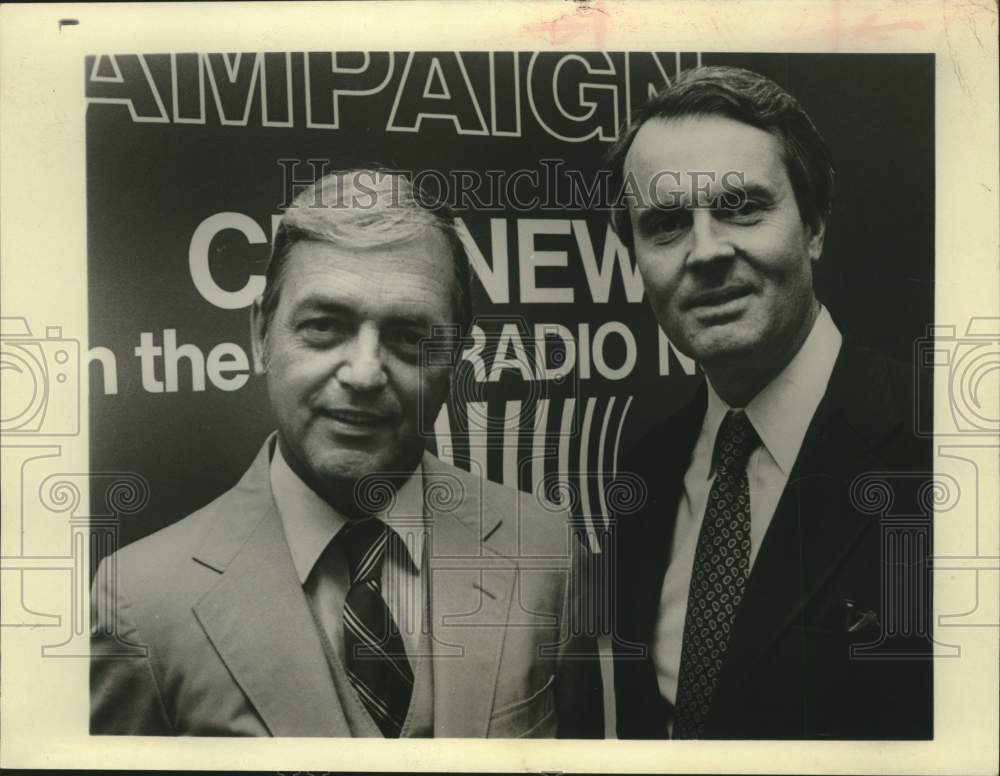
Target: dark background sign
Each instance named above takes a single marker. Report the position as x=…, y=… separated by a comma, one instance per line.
x=191, y=156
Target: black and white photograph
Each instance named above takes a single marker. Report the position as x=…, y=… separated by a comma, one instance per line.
x=618, y=374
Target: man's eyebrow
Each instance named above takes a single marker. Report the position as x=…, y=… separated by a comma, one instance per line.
x=756, y=191
x=410, y=319
x=319, y=302
x=403, y=317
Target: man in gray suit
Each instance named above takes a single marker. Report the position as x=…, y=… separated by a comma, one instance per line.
x=350, y=584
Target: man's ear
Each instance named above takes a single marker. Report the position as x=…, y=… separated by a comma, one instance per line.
x=816, y=241
x=258, y=337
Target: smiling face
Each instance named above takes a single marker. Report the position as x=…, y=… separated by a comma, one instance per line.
x=342, y=356
x=732, y=288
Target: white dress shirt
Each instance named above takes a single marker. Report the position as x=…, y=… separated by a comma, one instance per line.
x=780, y=414
x=310, y=524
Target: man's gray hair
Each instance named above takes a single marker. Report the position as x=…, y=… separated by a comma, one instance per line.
x=366, y=208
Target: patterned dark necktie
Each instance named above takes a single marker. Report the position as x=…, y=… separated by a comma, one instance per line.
x=375, y=656
x=721, y=567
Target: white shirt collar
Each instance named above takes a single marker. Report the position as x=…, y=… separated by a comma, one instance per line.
x=310, y=523
x=782, y=411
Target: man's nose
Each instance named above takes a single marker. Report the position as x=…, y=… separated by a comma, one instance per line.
x=363, y=368
x=709, y=239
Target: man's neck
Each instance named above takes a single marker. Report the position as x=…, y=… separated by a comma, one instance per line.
x=738, y=380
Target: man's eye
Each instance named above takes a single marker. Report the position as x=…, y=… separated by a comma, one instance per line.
x=320, y=324
x=668, y=225
x=408, y=339
x=748, y=210
x=322, y=328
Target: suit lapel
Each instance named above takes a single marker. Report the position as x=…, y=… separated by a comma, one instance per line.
x=814, y=526
x=257, y=617
x=647, y=540
x=471, y=592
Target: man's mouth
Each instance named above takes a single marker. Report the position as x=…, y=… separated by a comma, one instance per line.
x=717, y=297
x=360, y=419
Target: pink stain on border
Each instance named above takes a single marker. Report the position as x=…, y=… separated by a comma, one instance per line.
x=584, y=21
x=869, y=27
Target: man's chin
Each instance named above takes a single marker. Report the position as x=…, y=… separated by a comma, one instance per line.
x=721, y=343
x=356, y=485
x=354, y=466
x=350, y=466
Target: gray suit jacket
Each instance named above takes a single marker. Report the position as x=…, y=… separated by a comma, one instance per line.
x=203, y=628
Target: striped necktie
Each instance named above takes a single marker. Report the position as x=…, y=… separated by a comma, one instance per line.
x=721, y=568
x=375, y=656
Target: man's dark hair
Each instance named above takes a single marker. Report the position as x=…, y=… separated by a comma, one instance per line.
x=750, y=98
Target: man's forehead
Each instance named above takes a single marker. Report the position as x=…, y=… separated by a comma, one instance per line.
x=669, y=149
x=426, y=252
x=411, y=273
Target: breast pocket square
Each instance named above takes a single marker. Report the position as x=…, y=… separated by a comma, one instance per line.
x=857, y=619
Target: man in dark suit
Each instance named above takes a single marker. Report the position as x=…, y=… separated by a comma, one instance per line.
x=350, y=584
x=758, y=592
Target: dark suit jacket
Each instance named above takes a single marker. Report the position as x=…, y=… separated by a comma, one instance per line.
x=835, y=550
x=203, y=628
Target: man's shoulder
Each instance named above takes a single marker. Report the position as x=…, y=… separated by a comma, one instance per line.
x=667, y=438
x=181, y=538
x=908, y=384
x=865, y=363
x=516, y=519
x=867, y=383
x=886, y=401
x=162, y=568
x=185, y=537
